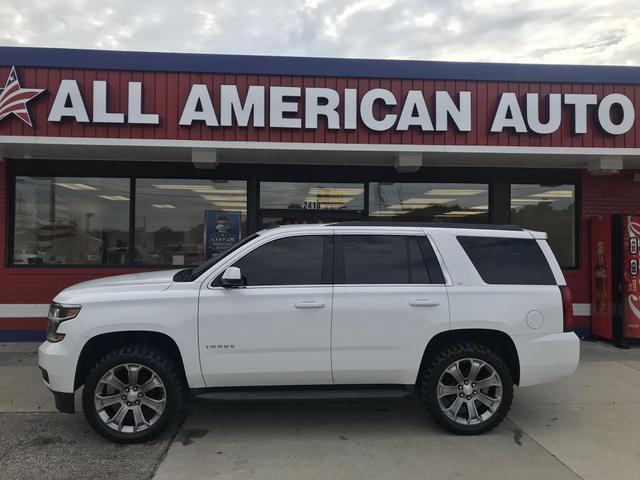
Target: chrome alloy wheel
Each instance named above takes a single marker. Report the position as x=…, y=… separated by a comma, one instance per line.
x=469, y=391
x=130, y=398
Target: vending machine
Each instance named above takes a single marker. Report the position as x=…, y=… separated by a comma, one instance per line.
x=615, y=283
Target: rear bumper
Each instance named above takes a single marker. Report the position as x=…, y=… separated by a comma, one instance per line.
x=545, y=358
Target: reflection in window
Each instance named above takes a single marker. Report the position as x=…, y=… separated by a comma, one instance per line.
x=173, y=217
x=439, y=202
x=71, y=221
x=311, y=196
x=551, y=209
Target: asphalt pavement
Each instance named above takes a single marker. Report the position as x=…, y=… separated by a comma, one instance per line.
x=587, y=426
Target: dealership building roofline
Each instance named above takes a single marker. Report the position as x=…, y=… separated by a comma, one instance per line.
x=315, y=66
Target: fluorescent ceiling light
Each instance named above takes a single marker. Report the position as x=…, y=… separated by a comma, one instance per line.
x=335, y=191
x=75, y=186
x=223, y=197
x=554, y=194
x=480, y=207
x=115, y=198
x=200, y=188
x=230, y=204
x=162, y=205
x=454, y=191
x=461, y=213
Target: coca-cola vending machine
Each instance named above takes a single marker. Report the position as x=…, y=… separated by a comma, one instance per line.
x=615, y=283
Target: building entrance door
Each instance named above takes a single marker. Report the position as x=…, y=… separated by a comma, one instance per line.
x=290, y=203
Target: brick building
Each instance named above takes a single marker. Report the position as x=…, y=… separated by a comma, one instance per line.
x=118, y=162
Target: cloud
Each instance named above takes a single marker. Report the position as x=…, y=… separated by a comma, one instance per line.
x=537, y=31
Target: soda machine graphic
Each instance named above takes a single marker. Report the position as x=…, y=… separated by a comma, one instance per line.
x=615, y=283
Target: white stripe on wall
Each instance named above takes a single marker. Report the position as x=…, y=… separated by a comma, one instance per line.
x=29, y=310
x=23, y=310
x=582, y=309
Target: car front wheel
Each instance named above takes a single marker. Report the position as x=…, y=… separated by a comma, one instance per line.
x=467, y=388
x=132, y=393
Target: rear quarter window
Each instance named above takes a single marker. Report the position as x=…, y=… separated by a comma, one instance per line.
x=508, y=261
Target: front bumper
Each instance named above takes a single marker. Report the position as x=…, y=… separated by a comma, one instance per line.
x=65, y=402
x=545, y=358
x=59, y=361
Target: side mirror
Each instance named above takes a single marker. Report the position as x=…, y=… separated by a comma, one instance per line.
x=232, y=278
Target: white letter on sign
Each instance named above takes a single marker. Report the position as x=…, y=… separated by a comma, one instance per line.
x=580, y=101
x=230, y=105
x=278, y=107
x=604, y=114
x=199, y=95
x=313, y=108
x=508, y=115
x=366, y=109
x=533, y=114
x=415, y=102
x=134, y=114
x=100, y=113
x=461, y=116
x=68, y=91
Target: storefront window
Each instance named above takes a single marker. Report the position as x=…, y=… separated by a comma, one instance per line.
x=185, y=222
x=311, y=196
x=71, y=221
x=439, y=202
x=551, y=209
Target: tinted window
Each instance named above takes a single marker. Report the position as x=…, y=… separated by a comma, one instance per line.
x=386, y=259
x=508, y=261
x=551, y=209
x=71, y=221
x=187, y=222
x=288, y=261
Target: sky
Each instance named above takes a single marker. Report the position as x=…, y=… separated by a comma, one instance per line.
x=533, y=31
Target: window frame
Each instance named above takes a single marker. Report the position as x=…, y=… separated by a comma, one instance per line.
x=431, y=261
x=499, y=180
x=10, y=226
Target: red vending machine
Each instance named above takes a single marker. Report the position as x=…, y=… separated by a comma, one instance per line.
x=615, y=283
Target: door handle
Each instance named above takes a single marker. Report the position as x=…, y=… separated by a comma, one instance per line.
x=424, y=303
x=309, y=305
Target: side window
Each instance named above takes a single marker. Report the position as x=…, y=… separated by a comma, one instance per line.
x=288, y=261
x=508, y=261
x=385, y=259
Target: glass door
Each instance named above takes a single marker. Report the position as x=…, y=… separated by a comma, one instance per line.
x=292, y=203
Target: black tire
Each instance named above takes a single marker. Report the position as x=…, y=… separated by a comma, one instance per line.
x=434, y=368
x=158, y=362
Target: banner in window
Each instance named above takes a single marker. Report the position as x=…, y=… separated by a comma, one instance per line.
x=221, y=231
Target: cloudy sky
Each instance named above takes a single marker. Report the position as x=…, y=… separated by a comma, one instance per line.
x=549, y=31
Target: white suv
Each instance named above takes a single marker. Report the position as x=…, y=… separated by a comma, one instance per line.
x=458, y=314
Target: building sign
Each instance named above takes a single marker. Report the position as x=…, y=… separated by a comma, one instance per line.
x=214, y=103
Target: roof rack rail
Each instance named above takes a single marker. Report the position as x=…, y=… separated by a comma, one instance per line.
x=476, y=226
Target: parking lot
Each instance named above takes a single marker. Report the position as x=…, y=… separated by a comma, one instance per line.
x=587, y=426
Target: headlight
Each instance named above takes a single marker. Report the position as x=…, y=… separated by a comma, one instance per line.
x=59, y=313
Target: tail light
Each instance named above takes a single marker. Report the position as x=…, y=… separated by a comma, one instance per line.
x=567, y=309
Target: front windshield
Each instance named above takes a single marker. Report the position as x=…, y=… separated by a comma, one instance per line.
x=199, y=270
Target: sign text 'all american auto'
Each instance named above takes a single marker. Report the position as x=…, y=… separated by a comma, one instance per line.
x=296, y=108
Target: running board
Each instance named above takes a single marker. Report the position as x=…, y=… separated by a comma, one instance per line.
x=303, y=393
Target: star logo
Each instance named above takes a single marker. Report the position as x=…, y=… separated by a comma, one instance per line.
x=14, y=98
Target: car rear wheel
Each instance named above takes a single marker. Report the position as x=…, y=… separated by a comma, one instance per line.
x=132, y=393
x=466, y=388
